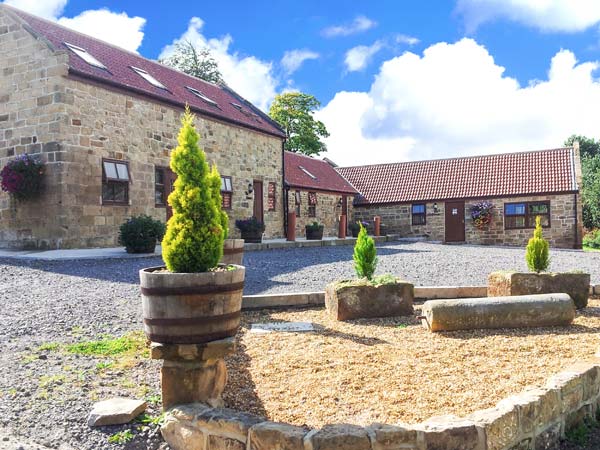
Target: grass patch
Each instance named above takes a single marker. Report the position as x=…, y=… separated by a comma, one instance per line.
x=379, y=280
x=590, y=249
x=122, y=437
x=129, y=344
x=48, y=346
x=49, y=381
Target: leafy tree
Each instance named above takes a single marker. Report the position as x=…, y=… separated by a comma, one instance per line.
x=194, y=238
x=590, y=189
x=197, y=62
x=294, y=112
x=537, y=252
x=365, y=255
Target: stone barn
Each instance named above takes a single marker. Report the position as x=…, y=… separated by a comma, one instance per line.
x=436, y=199
x=104, y=121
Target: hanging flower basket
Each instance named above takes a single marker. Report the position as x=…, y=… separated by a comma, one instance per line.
x=481, y=213
x=22, y=177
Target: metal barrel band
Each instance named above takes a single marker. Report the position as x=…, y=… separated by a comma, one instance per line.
x=190, y=321
x=192, y=290
x=191, y=338
x=233, y=251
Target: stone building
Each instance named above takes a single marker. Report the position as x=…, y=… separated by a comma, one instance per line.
x=434, y=199
x=316, y=192
x=104, y=121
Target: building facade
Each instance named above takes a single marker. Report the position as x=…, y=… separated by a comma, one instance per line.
x=434, y=199
x=104, y=121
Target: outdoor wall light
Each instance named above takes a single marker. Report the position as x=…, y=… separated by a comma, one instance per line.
x=435, y=208
x=250, y=189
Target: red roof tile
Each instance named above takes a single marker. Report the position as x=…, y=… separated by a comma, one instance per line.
x=507, y=174
x=324, y=177
x=120, y=74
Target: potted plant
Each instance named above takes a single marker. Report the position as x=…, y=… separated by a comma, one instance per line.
x=369, y=295
x=193, y=299
x=314, y=231
x=22, y=177
x=481, y=213
x=506, y=283
x=140, y=234
x=251, y=229
x=355, y=227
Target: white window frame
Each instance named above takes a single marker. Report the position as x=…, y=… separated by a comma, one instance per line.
x=149, y=78
x=85, y=55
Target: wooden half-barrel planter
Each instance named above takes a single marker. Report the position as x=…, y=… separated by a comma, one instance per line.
x=191, y=308
x=233, y=251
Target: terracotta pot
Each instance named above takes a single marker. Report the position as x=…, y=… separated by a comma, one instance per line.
x=191, y=308
x=233, y=251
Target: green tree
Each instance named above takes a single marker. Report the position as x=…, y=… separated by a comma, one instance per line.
x=197, y=62
x=194, y=238
x=590, y=168
x=537, y=253
x=365, y=255
x=293, y=111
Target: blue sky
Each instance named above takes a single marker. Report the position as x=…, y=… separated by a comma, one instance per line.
x=398, y=80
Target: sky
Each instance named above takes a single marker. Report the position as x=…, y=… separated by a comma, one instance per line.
x=398, y=80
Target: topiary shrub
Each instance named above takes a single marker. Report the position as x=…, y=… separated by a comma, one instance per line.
x=537, y=251
x=140, y=234
x=365, y=255
x=195, y=233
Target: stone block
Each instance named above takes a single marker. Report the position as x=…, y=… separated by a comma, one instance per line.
x=224, y=443
x=115, y=411
x=346, y=302
x=576, y=418
x=451, y=433
x=182, y=436
x=500, y=425
x=391, y=437
x=516, y=283
x=276, y=436
x=590, y=374
x=191, y=382
x=226, y=422
x=193, y=352
x=549, y=438
x=527, y=405
x=338, y=437
x=570, y=386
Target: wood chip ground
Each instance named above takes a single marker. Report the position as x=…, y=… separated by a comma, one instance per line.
x=392, y=370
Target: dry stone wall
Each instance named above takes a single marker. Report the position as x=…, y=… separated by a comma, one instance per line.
x=565, y=221
x=535, y=419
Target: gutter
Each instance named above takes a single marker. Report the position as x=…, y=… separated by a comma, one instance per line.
x=285, y=191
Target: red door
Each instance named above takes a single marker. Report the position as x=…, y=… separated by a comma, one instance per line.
x=455, y=221
x=258, y=200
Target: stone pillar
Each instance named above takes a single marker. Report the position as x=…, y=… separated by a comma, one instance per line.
x=343, y=226
x=291, y=226
x=377, y=222
x=193, y=373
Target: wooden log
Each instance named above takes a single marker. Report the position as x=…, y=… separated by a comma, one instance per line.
x=543, y=310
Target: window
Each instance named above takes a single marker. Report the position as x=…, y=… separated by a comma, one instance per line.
x=83, y=54
x=312, y=204
x=115, y=182
x=307, y=172
x=160, y=193
x=149, y=78
x=297, y=202
x=201, y=96
x=419, y=213
x=226, y=192
x=271, y=196
x=522, y=215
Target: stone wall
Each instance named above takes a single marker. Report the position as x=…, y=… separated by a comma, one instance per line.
x=328, y=211
x=561, y=234
x=74, y=124
x=535, y=419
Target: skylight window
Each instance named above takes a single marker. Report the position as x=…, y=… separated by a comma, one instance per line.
x=236, y=105
x=83, y=54
x=307, y=172
x=149, y=78
x=203, y=97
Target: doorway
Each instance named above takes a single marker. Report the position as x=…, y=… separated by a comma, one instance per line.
x=258, y=200
x=455, y=221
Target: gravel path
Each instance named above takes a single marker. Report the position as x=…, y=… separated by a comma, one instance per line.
x=46, y=395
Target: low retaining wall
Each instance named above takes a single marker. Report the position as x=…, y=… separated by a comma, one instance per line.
x=534, y=419
x=326, y=242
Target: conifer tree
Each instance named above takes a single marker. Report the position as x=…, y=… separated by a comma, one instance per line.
x=365, y=255
x=194, y=238
x=537, y=251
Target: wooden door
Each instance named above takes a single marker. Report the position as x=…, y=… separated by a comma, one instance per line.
x=170, y=178
x=455, y=221
x=258, y=200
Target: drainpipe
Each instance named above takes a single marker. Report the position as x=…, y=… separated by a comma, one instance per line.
x=576, y=243
x=285, y=190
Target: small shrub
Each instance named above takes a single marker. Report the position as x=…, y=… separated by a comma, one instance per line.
x=537, y=252
x=121, y=437
x=140, y=234
x=592, y=239
x=365, y=255
x=315, y=226
x=250, y=225
x=195, y=233
x=22, y=177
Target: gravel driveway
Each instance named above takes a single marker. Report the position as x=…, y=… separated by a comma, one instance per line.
x=46, y=394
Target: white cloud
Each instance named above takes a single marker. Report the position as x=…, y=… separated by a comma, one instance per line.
x=358, y=25
x=48, y=9
x=117, y=28
x=546, y=15
x=293, y=59
x=405, y=39
x=249, y=76
x=357, y=58
x=454, y=100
